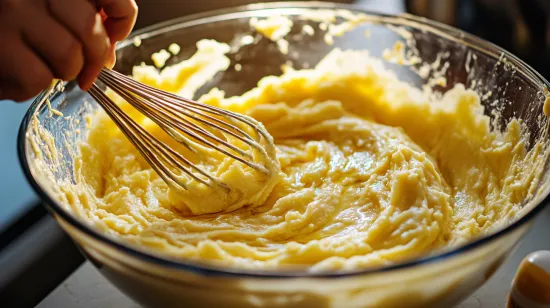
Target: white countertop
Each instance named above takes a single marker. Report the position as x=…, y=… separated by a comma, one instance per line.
x=86, y=288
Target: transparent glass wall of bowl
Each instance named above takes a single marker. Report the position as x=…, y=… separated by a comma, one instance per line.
x=443, y=283
x=437, y=280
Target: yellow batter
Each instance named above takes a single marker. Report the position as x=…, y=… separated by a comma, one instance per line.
x=373, y=171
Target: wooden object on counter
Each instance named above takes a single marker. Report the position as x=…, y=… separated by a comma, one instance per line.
x=531, y=286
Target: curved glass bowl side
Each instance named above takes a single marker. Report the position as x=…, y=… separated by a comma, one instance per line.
x=194, y=28
x=434, y=284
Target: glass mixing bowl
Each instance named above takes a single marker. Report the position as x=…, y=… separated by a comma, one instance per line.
x=438, y=280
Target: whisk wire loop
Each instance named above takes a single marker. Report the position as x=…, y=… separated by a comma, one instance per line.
x=206, y=125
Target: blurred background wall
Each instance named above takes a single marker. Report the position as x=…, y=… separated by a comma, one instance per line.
x=519, y=26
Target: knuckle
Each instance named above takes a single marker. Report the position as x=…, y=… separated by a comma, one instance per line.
x=89, y=26
x=54, y=6
x=94, y=39
x=92, y=26
x=134, y=7
x=69, y=63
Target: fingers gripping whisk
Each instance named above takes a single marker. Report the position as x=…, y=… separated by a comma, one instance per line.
x=196, y=126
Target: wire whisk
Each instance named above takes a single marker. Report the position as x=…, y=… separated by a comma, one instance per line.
x=191, y=124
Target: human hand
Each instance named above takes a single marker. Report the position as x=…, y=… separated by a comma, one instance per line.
x=64, y=39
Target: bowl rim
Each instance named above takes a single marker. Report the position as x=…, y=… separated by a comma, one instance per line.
x=440, y=29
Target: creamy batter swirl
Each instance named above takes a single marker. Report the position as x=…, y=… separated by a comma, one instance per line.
x=373, y=171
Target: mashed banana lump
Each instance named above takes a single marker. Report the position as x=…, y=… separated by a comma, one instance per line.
x=372, y=171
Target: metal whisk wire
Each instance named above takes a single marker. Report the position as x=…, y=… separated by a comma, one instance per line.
x=180, y=117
